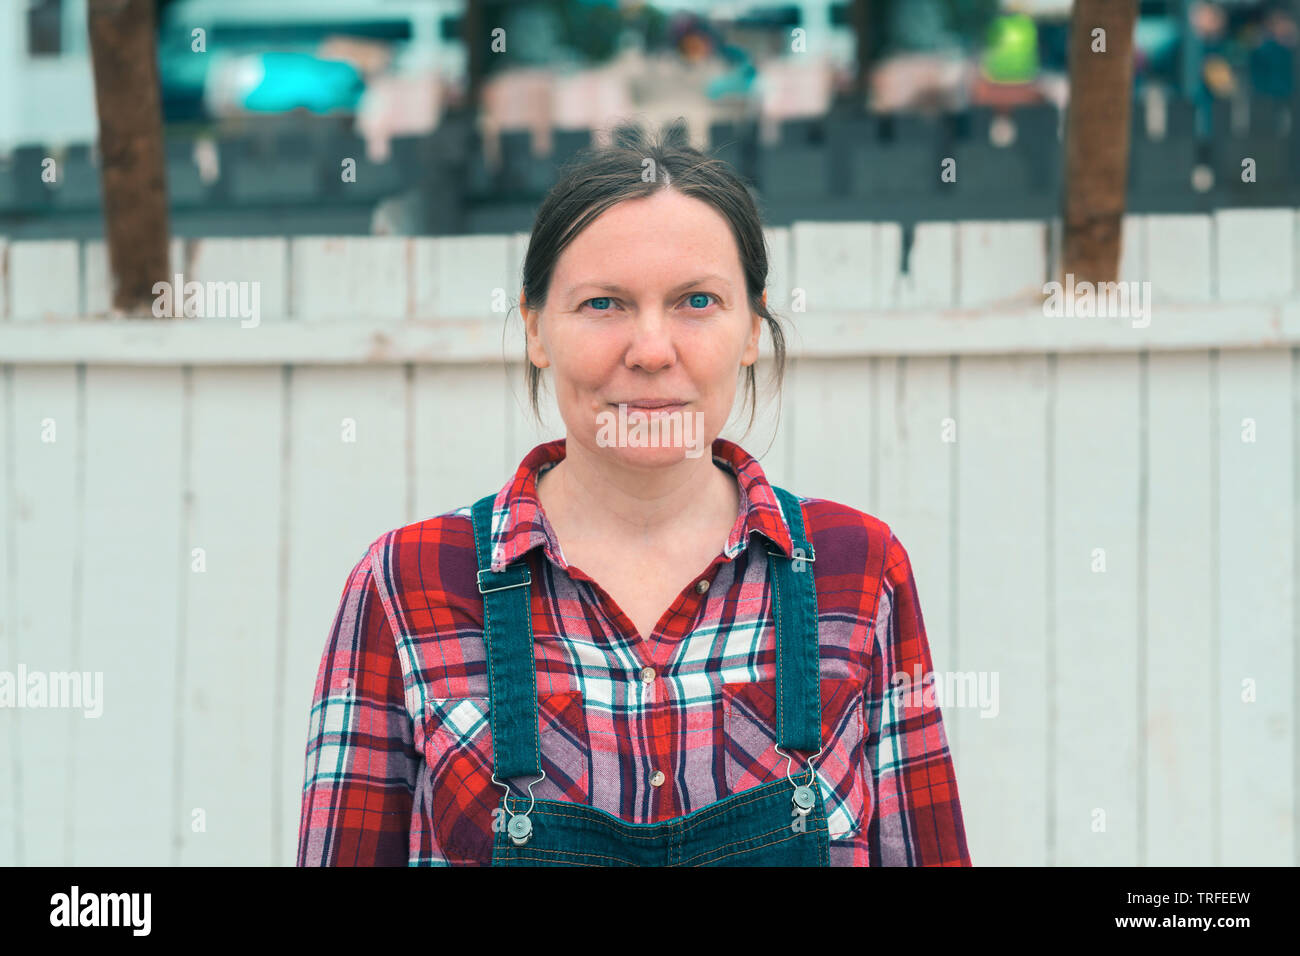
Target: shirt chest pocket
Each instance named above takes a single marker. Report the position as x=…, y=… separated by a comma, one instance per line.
x=750, y=757
x=457, y=747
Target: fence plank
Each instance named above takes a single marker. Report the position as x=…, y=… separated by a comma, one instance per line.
x=362, y=278
x=1253, y=253
x=1256, y=580
x=465, y=277
x=125, y=772
x=779, y=269
x=44, y=464
x=836, y=266
x=999, y=262
x=1295, y=258
x=930, y=280
x=1179, y=260
x=1133, y=265
x=342, y=496
x=888, y=265
x=833, y=411
x=1002, y=605
x=263, y=261
x=516, y=252
x=769, y=438
x=1095, y=546
x=915, y=454
x=523, y=433
x=44, y=279
x=11, y=809
x=1179, y=726
x=456, y=465
x=232, y=606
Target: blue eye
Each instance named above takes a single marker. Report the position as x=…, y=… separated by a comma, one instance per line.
x=601, y=298
x=700, y=295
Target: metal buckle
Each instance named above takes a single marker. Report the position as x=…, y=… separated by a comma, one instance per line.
x=519, y=828
x=803, y=798
x=808, y=558
x=528, y=579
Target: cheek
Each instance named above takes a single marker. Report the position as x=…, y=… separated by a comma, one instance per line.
x=582, y=364
x=718, y=368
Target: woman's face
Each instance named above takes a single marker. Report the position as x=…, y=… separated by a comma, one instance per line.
x=647, y=305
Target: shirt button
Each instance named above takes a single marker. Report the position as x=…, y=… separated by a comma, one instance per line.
x=647, y=675
x=657, y=778
x=701, y=586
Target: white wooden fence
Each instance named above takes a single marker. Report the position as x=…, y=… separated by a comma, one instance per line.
x=1112, y=534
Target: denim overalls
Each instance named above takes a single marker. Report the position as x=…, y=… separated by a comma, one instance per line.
x=780, y=823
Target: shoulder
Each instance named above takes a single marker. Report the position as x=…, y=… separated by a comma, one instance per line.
x=846, y=538
x=857, y=550
x=424, y=564
x=452, y=529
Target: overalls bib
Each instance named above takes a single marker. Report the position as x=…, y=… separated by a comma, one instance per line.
x=780, y=823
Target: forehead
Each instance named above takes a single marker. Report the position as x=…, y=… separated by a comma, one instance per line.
x=650, y=237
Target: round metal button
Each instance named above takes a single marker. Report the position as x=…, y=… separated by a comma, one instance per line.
x=657, y=778
x=803, y=799
x=520, y=829
x=701, y=586
x=647, y=675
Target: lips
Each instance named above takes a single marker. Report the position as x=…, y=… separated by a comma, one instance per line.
x=649, y=403
x=652, y=408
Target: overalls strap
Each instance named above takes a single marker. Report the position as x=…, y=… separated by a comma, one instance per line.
x=512, y=665
x=798, y=657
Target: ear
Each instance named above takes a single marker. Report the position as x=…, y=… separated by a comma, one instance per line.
x=532, y=318
x=750, y=355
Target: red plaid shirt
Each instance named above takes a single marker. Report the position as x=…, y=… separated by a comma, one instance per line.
x=399, y=756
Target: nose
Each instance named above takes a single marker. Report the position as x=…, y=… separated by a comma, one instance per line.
x=651, y=347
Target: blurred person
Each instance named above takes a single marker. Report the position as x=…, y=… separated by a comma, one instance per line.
x=698, y=39
x=917, y=55
x=928, y=82
x=1271, y=60
x=1208, y=49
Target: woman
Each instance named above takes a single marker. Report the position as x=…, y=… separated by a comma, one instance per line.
x=634, y=653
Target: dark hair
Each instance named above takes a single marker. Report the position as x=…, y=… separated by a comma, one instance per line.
x=599, y=177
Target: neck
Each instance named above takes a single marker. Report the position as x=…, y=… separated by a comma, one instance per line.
x=592, y=497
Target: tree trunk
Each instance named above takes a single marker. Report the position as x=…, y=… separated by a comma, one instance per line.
x=1097, y=137
x=861, y=14
x=132, y=167
x=472, y=34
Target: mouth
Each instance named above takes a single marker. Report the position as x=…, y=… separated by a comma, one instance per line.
x=650, y=405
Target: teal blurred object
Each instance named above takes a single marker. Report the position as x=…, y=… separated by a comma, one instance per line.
x=1157, y=39
x=737, y=82
x=292, y=81
x=920, y=25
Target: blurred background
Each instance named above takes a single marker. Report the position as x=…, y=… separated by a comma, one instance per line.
x=1102, y=509
x=256, y=118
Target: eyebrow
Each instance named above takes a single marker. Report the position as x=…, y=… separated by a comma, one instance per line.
x=614, y=287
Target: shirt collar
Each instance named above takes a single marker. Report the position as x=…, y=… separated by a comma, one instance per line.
x=519, y=525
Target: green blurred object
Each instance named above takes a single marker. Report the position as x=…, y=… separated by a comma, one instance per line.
x=1012, y=52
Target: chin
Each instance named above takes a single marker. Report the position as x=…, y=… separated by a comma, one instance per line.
x=661, y=457
x=654, y=457
x=653, y=441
